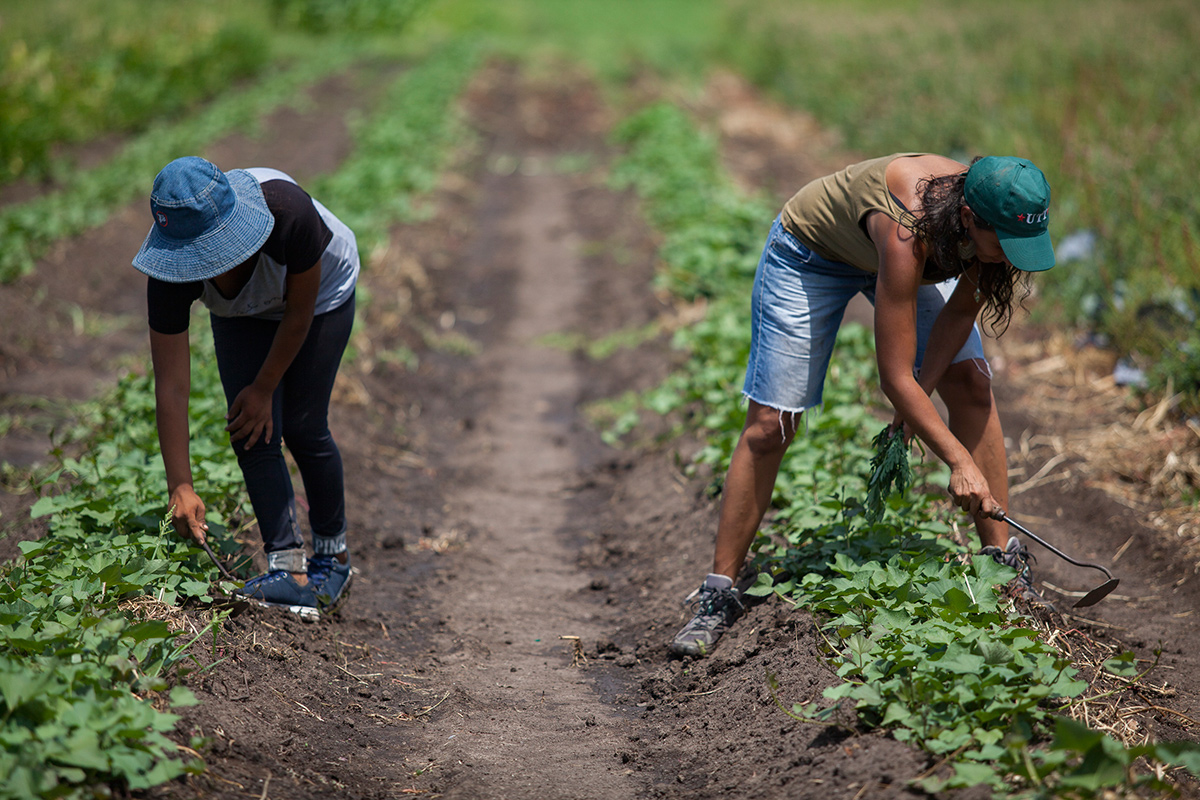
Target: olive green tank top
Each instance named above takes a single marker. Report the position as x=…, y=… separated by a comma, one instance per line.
x=830, y=214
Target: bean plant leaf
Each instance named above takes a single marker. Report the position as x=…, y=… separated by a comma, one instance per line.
x=1071, y=734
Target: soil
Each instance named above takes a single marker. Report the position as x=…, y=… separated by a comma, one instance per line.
x=518, y=579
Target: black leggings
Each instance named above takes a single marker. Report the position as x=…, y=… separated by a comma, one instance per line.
x=300, y=415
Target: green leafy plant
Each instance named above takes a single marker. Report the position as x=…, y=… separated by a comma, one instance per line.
x=924, y=644
x=29, y=228
x=349, y=15
x=84, y=671
x=400, y=150
x=75, y=71
x=889, y=470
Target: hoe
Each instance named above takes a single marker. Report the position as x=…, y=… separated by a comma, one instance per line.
x=1092, y=597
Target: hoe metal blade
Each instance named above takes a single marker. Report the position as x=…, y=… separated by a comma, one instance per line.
x=1092, y=597
x=1096, y=595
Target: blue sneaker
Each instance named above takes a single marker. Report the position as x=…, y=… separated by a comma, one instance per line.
x=328, y=579
x=279, y=589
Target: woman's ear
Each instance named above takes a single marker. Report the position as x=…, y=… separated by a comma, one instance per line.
x=966, y=215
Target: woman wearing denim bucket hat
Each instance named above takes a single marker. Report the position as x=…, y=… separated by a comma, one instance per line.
x=277, y=272
x=931, y=242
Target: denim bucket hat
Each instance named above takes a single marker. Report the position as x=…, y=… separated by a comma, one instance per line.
x=205, y=221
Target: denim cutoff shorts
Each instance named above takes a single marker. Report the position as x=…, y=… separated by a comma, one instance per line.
x=797, y=306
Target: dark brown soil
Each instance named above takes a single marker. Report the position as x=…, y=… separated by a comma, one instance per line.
x=505, y=636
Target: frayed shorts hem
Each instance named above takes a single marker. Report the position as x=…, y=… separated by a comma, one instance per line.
x=776, y=406
x=797, y=306
x=784, y=413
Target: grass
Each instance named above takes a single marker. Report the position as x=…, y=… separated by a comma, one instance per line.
x=1098, y=94
x=617, y=39
x=28, y=229
x=74, y=70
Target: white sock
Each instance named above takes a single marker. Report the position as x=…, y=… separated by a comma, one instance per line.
x=718, y=581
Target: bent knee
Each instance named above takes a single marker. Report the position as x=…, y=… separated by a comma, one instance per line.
x=967, y=382
x=769, y=430
x=307, y=438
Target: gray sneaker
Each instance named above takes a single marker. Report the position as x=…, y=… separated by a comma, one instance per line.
x=1018, y=557
x=715, y=610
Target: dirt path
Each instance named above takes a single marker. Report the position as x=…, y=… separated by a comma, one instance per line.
x=534, y=723
x=488, y=521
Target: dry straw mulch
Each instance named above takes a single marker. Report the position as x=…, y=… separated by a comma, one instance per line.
x=1140, y=451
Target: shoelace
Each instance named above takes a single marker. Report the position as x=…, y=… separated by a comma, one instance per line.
x=265, y=578
x=321, y=569
x=712, y=602
x=1020, y=559
x=1022, y=552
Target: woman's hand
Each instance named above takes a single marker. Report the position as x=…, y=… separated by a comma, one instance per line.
x=898, y=423
x=250, y=413
x=187, y=513
x=250, y=416
x=969, y=491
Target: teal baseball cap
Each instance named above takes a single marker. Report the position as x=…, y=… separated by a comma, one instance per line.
x=1012, y=195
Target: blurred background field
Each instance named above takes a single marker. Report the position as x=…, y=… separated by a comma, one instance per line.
x=1096, y=93
x=1099, y=94
x=73, y=71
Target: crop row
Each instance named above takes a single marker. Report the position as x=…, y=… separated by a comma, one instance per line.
x=28, y=229
x=85, y=644
x=90, y=636
x=73, y=73
x=925, y=645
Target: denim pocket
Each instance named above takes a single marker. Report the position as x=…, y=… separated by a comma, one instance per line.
x=787, y=249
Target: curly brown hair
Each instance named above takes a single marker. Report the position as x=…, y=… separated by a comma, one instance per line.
x=940, y=229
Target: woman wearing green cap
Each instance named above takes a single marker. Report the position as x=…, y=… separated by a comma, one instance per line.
x=931, y=243
x=277, y=271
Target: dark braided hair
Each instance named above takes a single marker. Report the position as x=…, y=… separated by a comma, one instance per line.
x=939, y=227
